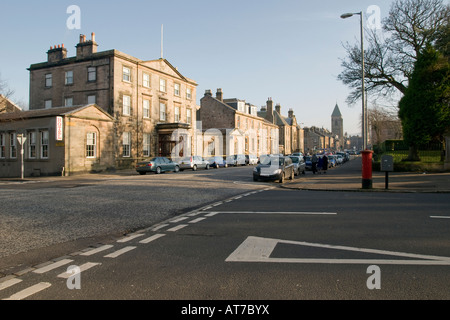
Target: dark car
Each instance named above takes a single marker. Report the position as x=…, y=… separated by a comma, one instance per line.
x=308, y=163
x=157, y=165
x=271, y=168
x=217, y=162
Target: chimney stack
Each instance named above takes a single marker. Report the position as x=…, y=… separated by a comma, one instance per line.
x=208, y=93
x=56, y=53
x=269, y=112
x=86, y=48
x=278, y=108
x=291, y=113
x=219, y=95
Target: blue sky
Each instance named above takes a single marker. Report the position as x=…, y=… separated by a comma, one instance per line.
x=289, y=50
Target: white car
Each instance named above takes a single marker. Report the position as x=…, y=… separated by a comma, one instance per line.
x=193, y=163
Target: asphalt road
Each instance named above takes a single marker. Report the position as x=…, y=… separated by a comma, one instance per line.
x=252, y=242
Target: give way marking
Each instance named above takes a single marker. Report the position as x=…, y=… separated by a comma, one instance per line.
x=256, y=249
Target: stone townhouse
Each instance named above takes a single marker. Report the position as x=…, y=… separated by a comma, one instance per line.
x=152, y=104
x=290, y=132
x=58, y=141
x=232, y=126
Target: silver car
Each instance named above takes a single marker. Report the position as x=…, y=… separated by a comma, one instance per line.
x=193, y=163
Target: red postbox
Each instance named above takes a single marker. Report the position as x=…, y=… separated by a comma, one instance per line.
x=367, y=169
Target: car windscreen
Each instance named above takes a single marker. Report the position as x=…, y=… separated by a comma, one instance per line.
x=272, y=161
x=294, y=159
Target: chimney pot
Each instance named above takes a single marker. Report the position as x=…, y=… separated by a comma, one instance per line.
x=219, y=94
x=93, y=36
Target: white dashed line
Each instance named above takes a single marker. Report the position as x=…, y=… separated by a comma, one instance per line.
x=117, y=253
x=52, y=266
x=29, y=291
x=176, y=228
x=211, y=214
x=97, y=250
x=84, y=267
x=159, y=227
x=9, y=283
x=440, y=217
x=179, y=219
x=197, y=220
x=152, y=238
x=131, y=237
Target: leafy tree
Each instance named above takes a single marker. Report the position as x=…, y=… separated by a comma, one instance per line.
x=425, y=107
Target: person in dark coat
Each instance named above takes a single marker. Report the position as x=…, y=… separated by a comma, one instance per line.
x=324, y=163
x=314, y=161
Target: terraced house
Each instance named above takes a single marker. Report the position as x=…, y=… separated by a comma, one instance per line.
x=149, y=101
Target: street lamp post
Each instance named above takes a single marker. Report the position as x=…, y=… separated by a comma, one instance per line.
x=363, y=90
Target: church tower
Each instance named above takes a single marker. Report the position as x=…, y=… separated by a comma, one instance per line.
x=337, y=124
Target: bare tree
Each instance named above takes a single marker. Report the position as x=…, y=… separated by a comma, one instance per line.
x=391, y=53
x=385, y=124
x=5, y=93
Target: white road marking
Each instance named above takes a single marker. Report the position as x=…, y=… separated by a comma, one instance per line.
x=197, y=220
x=179, y=219
x=9, y=283
x=159, y=227
x=29, y=291
x=211, y=214
x=117, y=253
x=152, y=238
x=84, y=267
x=97, y=250
x=256, y=249
x=52, y=266
x=130, y=237
x=440, y=217
x=281, y=212
x=176, y=228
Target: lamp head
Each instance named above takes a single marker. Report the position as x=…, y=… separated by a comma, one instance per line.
x=346, y=15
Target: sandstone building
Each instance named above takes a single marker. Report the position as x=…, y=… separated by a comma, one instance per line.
x=232, y=126
x=148, y=100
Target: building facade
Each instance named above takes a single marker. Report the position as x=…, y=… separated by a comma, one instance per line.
x=153, y=105
x=57, y=141
x=232, y=126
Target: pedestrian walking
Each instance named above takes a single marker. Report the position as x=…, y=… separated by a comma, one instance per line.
x=324, y=163
x=314, y=161
x=320, y=165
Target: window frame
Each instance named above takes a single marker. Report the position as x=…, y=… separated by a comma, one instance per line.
x=126, y=108
x=126, y=144
x=91, y=145
x=2, y=145
x=146, y=83
x=162, y=85
x=67, y=78
x=44, y=146
x=124, y=74
x=146, y=144
x=32, y=145
x=146, y=108
x=162, y=111
x=13, y=145
x=92, y=71
x=48, y=80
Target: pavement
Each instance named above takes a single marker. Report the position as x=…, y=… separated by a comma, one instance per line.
x=348, y=177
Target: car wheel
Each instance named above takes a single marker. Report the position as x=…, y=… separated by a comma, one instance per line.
x=207, y=167
x=194, y=168
x=177, y=169
x=158, y=170
x=225, y=166
x=282, y=178
x=142, y=173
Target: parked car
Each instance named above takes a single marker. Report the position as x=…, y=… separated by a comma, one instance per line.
x=236, y=160
x=251, y=159
x=332, y=161
x=308, y=163
x=274, y=168
x=217, y=162
x=193, y=163
x=299, y=164
x=157, y=165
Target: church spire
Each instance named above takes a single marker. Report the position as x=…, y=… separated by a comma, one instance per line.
x=336, y=112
